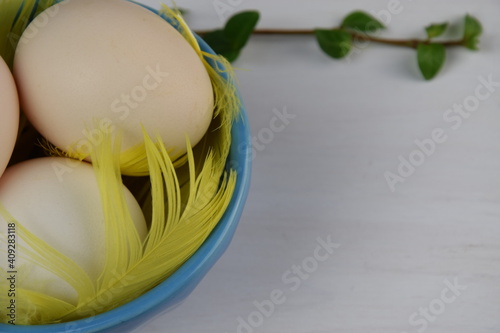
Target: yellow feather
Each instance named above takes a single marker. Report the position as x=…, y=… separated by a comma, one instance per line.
x=183, y=197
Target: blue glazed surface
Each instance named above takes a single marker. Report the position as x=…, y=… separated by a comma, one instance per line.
x=177, y=287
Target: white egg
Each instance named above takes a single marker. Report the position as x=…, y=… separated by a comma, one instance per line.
x=9, y=115
x=117, y=62
x=63, y=209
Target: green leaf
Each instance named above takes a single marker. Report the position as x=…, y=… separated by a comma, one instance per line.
x=436, y=30
x=336, y=43
x=240, y=27
x=362, y=21
x=472, y=31
x=232, y=39
x=183, y=11
x=431, y=58
x=231, y=56
x=218, y=42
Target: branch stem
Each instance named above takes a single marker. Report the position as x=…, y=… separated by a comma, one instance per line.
x=411, y=43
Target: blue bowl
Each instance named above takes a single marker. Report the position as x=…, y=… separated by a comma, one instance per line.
x=171, y=292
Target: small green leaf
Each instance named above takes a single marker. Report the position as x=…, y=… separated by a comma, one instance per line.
x=362, y=21
x=336, y=43
x=436, y=30
x=183, y=11
x=231, y=56
x=431, y=58
x=472, y=31
x=232, y=39
x=240, y=27
x=218, y=42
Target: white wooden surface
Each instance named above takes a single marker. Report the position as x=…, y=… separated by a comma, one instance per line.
x=323, y=175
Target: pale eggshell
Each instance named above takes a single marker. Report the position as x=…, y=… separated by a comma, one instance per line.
x=9, y=115
x=117, y=62
x=58, y=200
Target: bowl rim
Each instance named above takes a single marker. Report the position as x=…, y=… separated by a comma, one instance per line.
x=195, y=268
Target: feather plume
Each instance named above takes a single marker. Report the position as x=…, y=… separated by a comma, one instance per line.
x=183, y=198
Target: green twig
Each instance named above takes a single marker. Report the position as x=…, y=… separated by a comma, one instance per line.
x=411, y=43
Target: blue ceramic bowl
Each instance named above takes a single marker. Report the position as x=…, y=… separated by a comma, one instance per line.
x=178, y=286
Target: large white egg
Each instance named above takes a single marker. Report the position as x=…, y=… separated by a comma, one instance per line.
x=9, y=115
x=59, y=202
x=117, y=62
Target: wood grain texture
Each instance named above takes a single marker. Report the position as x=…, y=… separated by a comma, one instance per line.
x=323, y=174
